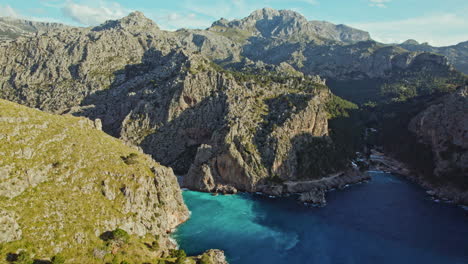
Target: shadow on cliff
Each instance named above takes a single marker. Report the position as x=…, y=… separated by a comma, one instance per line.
x=176, y=142
x=132, y=87
x=280, y=109
x=152, y=90
x=313, y=157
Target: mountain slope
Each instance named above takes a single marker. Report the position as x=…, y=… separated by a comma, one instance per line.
x=64, y=183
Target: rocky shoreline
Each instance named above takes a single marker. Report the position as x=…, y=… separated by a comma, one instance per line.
x=380, y=161
x=312, y=192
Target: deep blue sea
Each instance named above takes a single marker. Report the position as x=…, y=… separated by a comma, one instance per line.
x=388, y=220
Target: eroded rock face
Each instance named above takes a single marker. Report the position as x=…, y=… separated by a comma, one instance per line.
x=444, y=126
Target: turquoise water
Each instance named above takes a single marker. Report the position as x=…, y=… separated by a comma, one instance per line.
x=388, y=220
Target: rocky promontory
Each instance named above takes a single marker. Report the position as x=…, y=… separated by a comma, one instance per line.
x=69, y=189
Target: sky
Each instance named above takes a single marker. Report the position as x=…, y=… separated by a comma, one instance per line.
x=440, y=23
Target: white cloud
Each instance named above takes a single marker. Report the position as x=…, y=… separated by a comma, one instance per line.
x=94, y=14
x=229, y=9
x=8, y=11
x=379, y=3
x=437, y=29
x=173, y=20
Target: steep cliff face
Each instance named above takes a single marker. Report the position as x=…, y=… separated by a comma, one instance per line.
x=235, y=127
x=444, y=127
x=259, y=138
x=64, y=183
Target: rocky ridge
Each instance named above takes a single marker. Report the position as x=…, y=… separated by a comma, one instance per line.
x=287, y=24
x=356, y=67
x=12, y=28
x=312, y=47
x=456, y=54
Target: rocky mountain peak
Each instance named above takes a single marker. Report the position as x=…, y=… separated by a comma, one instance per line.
x=463, y=44
x=272, y=23
x=410, y=42
x=135, y=21
x=263, y=13
x=270, y=13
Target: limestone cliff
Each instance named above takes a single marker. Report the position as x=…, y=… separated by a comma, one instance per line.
x=218, y=127
x=444, y=127
x=64, y=183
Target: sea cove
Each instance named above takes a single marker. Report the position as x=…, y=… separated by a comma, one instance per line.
x=387, y=220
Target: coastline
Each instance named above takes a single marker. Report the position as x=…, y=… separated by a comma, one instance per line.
x=311, y=192
x=383, y=162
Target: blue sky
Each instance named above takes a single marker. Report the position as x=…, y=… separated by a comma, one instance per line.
x=434, y=21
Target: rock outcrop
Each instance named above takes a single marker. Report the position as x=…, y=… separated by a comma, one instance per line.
x=213, y=256
x=64, y=183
